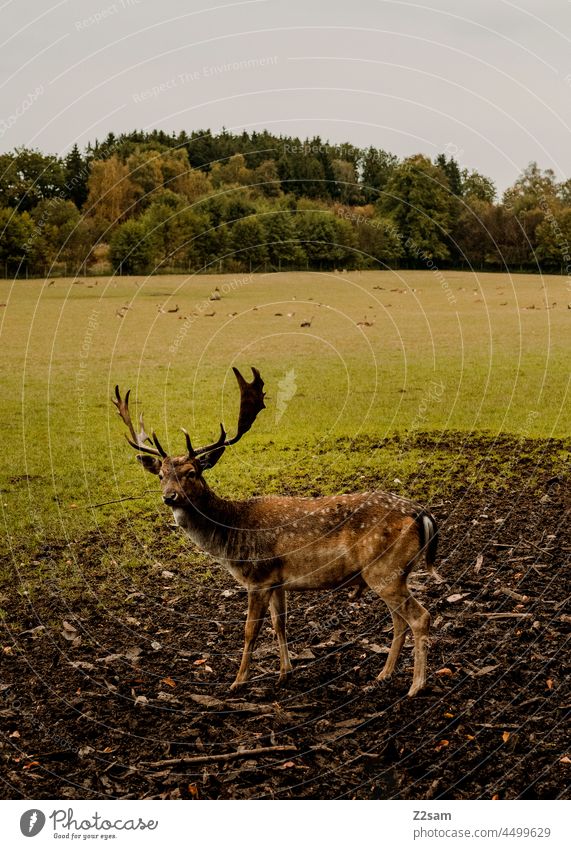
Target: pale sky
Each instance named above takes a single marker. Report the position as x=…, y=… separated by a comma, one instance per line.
x=488, y=81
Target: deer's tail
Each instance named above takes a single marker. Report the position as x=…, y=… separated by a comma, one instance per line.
x=428, y=537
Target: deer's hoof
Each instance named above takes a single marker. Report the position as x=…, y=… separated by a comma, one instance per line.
x=384, y=676
x=284, y=678
x=236, y=685
x=415, y=690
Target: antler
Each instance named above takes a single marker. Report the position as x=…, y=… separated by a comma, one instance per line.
x=137, y=439
x=251, y=403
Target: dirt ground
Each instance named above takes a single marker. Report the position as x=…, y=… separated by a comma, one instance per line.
x=117, y=699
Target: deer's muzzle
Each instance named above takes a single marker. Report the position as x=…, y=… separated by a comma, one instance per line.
x=170, y=497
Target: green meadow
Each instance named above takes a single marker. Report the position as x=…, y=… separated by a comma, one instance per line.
x=388, y=359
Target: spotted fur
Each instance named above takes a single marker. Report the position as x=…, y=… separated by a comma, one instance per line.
x=275, y=543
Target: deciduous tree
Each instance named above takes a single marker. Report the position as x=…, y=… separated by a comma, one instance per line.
x=420, y=207
x=131, y=250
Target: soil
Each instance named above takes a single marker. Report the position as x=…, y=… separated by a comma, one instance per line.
x=110, y=698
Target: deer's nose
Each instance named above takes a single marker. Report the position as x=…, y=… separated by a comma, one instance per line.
x=170, y=496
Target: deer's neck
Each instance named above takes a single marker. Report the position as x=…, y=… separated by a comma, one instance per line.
x=210, y=522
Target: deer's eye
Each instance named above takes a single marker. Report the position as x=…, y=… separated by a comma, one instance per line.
x=191, y=473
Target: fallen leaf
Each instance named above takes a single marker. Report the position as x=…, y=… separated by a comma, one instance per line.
x=69, y=631
x=111, y=658
x=565, y=760
x=350, y=723
x=34, y=633
x=31, y=764
x=168, y=681
x=304, y=654
x=484, y=670
x=441, y=745
x=199, y=662
x=495, y=796
x=444, y=671
x=133, y=653
x=82, y=664
x=506, y=736
x=131, y=620
x=378, y=649
x=246, y=707
x=449, y=715
x=207, y=701
x=193, y=790
x=456, y=597
x=550, y=683
x=167, y=697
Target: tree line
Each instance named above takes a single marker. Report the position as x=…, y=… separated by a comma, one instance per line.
x=153, y=202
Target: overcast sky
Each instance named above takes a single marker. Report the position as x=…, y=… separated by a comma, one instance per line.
x=489, y=81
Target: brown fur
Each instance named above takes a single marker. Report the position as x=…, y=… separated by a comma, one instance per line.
x=274, y=544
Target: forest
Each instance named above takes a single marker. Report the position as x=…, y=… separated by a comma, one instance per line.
x=153, y=202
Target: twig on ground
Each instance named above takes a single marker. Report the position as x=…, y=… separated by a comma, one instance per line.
x=246, y=754
x=117, y=500
x=512, y=594
x=504, y=615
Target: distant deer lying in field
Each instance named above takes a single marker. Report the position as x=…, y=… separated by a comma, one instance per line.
x=274, y=544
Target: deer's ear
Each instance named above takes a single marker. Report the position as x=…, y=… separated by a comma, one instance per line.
x=211, y=458
x=150, y=464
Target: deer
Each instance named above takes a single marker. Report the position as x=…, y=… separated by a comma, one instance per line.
x=273, y=545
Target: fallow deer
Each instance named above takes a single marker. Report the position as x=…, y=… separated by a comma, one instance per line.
x=273, y=544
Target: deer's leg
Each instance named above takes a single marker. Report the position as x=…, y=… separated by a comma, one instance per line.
x=399, y=598
x=404, y=606
x=399, y=635
x=418, y=618
x=258, y=601
x=278, y=612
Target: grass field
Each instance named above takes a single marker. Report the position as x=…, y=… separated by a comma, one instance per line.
x=439, y=353
x=450, y=390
